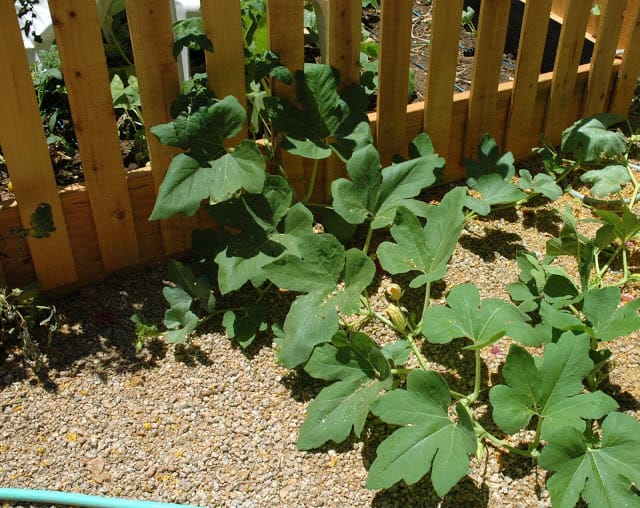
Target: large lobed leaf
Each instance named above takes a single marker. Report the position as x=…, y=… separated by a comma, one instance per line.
x=376, y=194
x=589, y=139
x=466, y=316
x=601, y=474
x=362, y=372
x=551, y=389
x=333, y=280
x=424, y=249
x=428, y=439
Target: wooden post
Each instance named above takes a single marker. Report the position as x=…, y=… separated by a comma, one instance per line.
x=84, y=67
x=27, y=154
x=600, y=72
x=441, y=74
x=157, y=72
x=393, y=79
x=342, y=51
x=287, y=41
x=565, y=68
x=225, y=65
x=492, y=31
x=525, y=85
x=628, y=74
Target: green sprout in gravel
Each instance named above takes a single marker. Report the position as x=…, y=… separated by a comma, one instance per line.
x=268, y=238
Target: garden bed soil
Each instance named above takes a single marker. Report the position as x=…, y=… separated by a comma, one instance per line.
x=212, y=425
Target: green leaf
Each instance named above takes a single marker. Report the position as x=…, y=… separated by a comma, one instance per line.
x=202, y=130
x=198, y=287
x=310, y=321
x=354, y=200
x=625, y=225
x=551, y=389
x=490, y=161
x=481, y=321
x=313, y=319
x=41, y=221
x=495, y=190
x=428, y=440
x=608, y=180
x=242, y=169
x=179, y=319
x=426, y=250
x=608, y=321
x=397, y=352
x=337, y=409
x=243, y=326
x=189, y=33
x=542, y=183
x=261, y=242
x=602, y=474
x=364, y=372
x=325, y=114
x=377, y=195
x=588, y=139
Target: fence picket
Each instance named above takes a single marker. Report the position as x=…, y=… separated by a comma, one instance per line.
x=393, y=78
x=222, y=23
x=29, y=165
x=441, y=74
x=286, y=39
x=525, y=85
x=341, y=24
x=157, y=72
x=84, y=67
x=492, y=31
x=603, y=54
x=628, y=74
x=565, y=68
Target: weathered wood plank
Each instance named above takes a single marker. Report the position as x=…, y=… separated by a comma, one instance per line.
x=27, y=155
x=222, y=23
x=492, y=31
x=604, y=52
x=566, y=65
x=441, y=74
x=84, y=68
x=627, y=77
x=286, y=39
x=393, y=78
x=157, y=72
x=525, y=85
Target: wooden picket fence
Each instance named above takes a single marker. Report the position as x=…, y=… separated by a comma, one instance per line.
x=102, y=225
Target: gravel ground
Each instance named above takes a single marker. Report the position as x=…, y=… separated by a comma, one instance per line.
x=212, y=425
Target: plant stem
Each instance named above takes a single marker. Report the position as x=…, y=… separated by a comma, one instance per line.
x=367, y=242
x=427, y=299
x=536, y=440
x=416, y=351
x=312, y=181
x=478, y=379
x=483, y=433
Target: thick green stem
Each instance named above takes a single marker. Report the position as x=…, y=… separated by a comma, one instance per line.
x=427, y=300
x=416, y=351
x=367, y=242
x=312, y=181
x=536, y=440
x=483, y=433
x=478, y=379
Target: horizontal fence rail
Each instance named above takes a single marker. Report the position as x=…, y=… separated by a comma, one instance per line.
x=102, y=225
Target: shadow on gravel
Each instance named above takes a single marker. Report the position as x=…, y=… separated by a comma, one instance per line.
x=422, y=495
x=494, y=241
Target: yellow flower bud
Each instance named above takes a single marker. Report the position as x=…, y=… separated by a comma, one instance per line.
x=394, y=291
x=10, y=186
x=396, y=316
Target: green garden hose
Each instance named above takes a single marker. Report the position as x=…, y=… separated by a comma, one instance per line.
x=70, y=498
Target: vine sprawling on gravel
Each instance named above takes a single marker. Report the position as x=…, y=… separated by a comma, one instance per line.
x=268, y=237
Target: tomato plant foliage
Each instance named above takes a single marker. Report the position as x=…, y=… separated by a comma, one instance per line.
x=268, y=237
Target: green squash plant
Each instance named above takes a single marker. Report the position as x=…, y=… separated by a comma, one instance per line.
x=267, y=237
